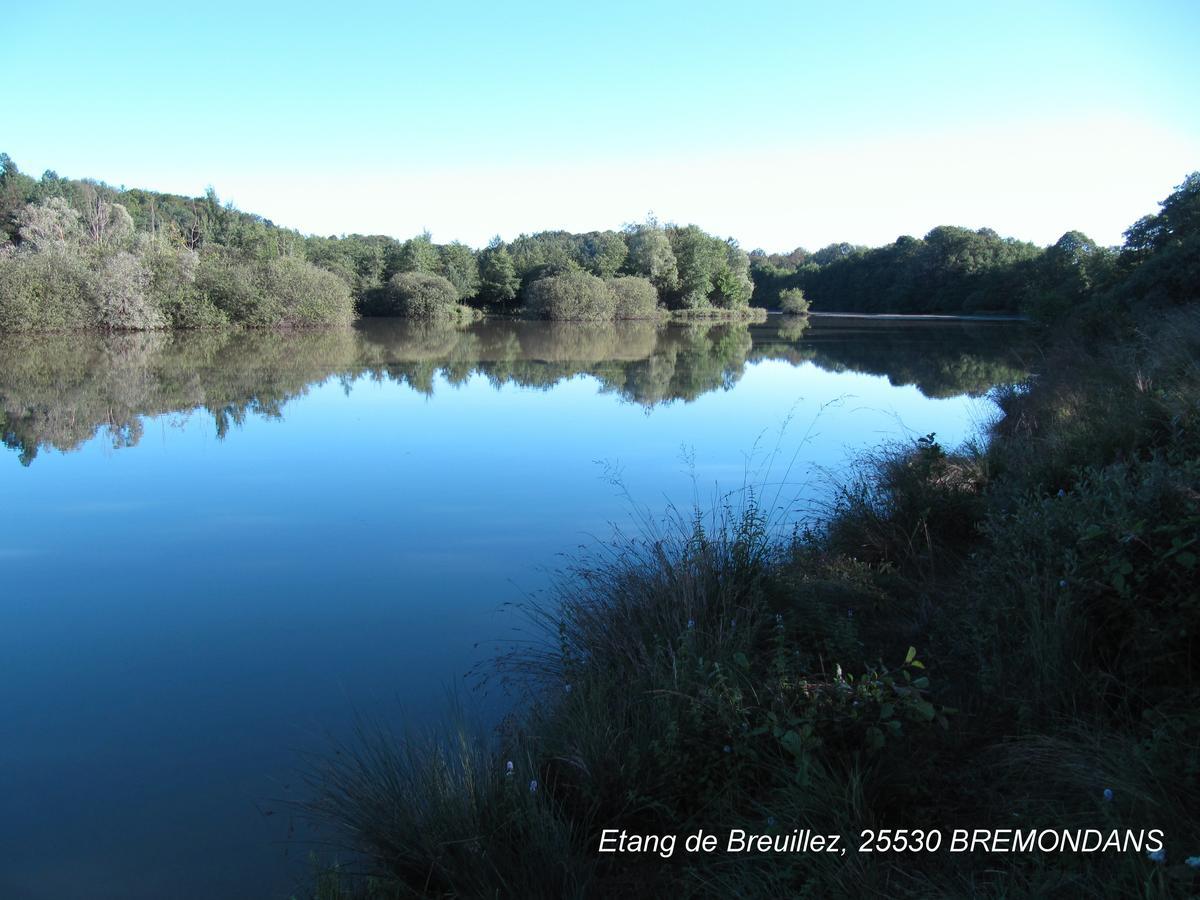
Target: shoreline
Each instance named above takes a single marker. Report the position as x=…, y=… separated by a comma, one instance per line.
x=916, y=317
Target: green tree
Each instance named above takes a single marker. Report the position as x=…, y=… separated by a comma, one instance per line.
x=603, y=253
x=499, y=279
x=699, y=257
x=418, y=255
x=650, y=256
x=458, y=264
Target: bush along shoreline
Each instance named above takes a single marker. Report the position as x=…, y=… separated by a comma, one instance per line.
x=999, y=636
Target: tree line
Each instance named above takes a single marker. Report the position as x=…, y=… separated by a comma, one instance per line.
x=959, y=270
x=80, y=253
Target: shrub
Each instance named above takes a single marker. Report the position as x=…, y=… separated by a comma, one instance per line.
x=121, y=295
x=173, y=286
x=44, y=291
x=572, y=296
x=233, y=287
x=792, y=302
x=287, y=291
x=306, y=295
x=635, y=298
x=419, y=295
x=911, y=507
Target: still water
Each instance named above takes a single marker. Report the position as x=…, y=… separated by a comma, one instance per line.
x=218, y=549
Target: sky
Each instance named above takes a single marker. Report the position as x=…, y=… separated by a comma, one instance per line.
x=781, y=124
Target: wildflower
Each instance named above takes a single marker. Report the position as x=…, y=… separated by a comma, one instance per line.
x=778, y=620
x=1192, y=862
x=728, y=749
x=733, y=623
x=1061, y=492
x=533, y=786
x=508, y=768
x=691, y=624
x=1108, y=794
x=850, y=614
x=1062, y=583
x=566, y=689
x=771, y=822
x=1157, y=855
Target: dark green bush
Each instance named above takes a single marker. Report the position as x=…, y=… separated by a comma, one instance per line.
x=573, y=296
x=634, y=297
x=911, y=507
x=419, y=295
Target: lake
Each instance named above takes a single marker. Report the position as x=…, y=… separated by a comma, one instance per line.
x=218, y=549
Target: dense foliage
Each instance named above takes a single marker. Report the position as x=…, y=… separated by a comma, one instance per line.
x=74, y=257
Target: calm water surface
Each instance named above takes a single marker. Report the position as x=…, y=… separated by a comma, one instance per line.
x=217, y=548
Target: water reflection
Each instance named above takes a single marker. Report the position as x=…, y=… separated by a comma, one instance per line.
x=60, y=391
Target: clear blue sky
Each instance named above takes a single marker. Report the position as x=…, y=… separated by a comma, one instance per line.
x=780, y=123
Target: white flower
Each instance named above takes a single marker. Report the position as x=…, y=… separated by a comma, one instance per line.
x=508, y=768
x=533, y=786
x=691, y=624
x=1108, y=794
x=728, y=749
x=566, y=689
x=1063, y=583
x=1061, y=492
x=1157, y=855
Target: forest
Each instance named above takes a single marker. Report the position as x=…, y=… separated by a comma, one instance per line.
x=77, y=253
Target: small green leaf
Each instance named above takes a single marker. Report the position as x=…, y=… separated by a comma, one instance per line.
x=741, y=660
x=875, y=740
x=912, y=654
x=924, y=710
